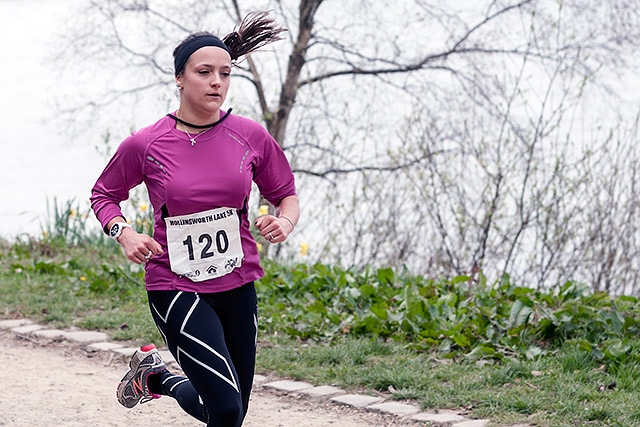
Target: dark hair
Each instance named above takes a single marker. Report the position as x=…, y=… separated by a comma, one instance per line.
x=255, y=31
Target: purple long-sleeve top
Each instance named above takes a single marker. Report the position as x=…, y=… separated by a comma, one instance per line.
x=184, y=178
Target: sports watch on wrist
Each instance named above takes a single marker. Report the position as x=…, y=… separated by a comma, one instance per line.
x=116, y=230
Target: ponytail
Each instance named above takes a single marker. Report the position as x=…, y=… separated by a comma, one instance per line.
x=255, y=31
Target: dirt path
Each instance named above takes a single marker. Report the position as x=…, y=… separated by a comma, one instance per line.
x=63, y=385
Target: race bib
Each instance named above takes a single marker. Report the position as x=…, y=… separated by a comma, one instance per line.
x=204, y=245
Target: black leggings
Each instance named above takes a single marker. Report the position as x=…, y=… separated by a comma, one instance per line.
x=213, y=338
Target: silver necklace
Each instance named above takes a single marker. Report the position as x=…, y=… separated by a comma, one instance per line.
x=192, y=138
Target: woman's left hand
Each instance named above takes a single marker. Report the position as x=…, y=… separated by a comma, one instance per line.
x=274, y=229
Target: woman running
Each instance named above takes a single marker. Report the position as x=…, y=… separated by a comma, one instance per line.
x=198, y=164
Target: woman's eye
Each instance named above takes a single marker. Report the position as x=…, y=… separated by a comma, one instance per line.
x=203, y=71
x=225, y=74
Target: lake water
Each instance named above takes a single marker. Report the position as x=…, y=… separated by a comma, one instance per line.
x=37, y=162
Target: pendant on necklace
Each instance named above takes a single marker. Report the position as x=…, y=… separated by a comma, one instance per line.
x=193, y=141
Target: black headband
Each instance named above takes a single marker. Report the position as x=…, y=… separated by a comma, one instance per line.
x=187, y=49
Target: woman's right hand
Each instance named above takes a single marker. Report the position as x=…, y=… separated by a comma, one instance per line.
x=138, y=247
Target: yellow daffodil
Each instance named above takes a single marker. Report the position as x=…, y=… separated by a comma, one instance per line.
x=72, y=213
x=259, y=245
x=82, y=278
x=304, y=249
x=264, y=210
x=143, y=207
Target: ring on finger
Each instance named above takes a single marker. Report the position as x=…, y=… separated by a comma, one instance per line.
x=271, y=236
x=149, y=255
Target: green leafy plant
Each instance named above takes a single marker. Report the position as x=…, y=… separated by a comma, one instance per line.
x=455, y=317
x=68, y=223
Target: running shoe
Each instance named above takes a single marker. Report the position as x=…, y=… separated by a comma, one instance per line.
x=133, y=388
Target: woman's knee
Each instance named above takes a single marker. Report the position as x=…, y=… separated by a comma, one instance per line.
x=226, y=413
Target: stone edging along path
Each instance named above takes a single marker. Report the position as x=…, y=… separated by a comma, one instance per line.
x=98, y=341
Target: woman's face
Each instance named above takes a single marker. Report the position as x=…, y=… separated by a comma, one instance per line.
x=205, y=80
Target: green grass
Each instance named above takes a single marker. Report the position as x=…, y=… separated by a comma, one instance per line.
x=551, y=391
x=92, y=288
x=501, y=352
